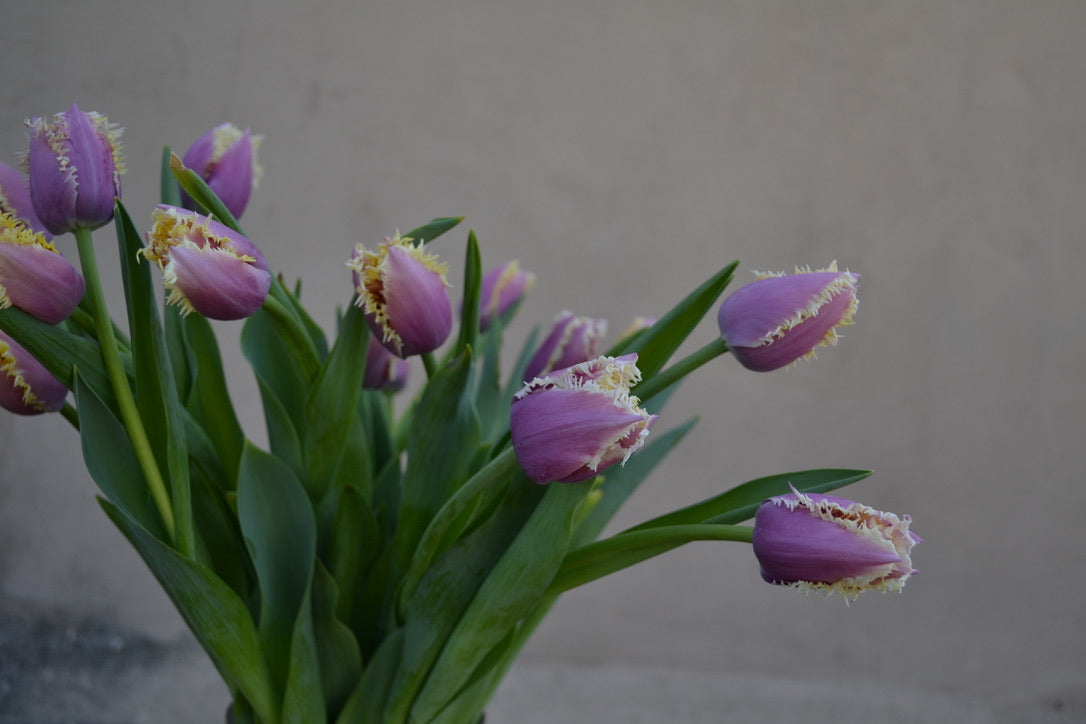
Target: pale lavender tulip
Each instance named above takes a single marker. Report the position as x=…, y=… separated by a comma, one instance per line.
x=26, y=387
x=502, y=287
x=34, y=276
x=384, y=370
x=572, y=340
x=75, y=169
x=574, y=423
x=226, y=158
x=403, y=291
x=206, y=266
x=780, y=318
x=819, y=542
x=15, y=199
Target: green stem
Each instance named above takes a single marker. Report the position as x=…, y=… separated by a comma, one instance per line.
x=70, y=414
x=430, y=363
x=664, y=379
x=130, y=416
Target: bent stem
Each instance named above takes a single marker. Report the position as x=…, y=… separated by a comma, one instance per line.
x=666, y=378
x=130, y=416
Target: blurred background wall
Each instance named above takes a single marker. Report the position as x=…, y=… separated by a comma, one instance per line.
x=622, y=151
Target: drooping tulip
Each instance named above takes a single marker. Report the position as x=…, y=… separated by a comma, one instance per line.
x=502, y=287
x=820, y=542
x=226, y=158
x=781, y=317
x=572, y=340
x=206, y=266
x=75, y=164
x=15, y=199
x=26, y=387
x=34, y=276
x=403, y=291
x=574, y=423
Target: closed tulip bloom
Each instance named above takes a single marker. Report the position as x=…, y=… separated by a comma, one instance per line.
x=572, y=340
x=576, y=422
x=780, y=318
x=15, y=199
x=502, y=287
x=26, y=387
x=226, y=158
x=206, y=266
x=403, y=291
x=75, y=169
x=34, y=276
x=384, y=370
x=823, y=543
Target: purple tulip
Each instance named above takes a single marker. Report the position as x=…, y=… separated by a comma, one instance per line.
x=384, y=370
x=26, y=388
x=75, y=169
x=502, y=287
x=572, y=340
x=15, y=199
x=225, y=157
x=206, y=266
x=403, y=291
x=819, y=542
x=780, y=318
x=576, y=422
x=34, y=276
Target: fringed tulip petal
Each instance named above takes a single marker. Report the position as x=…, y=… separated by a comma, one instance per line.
x=26, y=387
x=502, y=287
x=15, y=200
x=820, y=542
x=572, y=340
x=226, y=158
x=34, y=276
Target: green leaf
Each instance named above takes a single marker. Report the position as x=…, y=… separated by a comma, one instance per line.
x=303, y=697
x=156, y=394
x=433, y=229
x=111, y=460
x=509, y=594
x=473, y=279
x=276, y=367
x=213, y=612
x=741, y=502
x=353, y=545
x=201, y=193
x=332, y=405
x=337, y=649
x=168, y=191
x=657, y=343
x=278, y=524
x=367, y=703
x=209, y=399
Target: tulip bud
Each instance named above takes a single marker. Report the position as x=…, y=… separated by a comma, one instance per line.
x=502, y=287
x=15, y=200
x=206, y=266
x=225, y=157
x=402, y=289
x=384, y=371
x=572, y=340
x=576, y=422
x=26, y=387
x=34, y=276
x=819, y=542
x=75, y=169
x=781, y=317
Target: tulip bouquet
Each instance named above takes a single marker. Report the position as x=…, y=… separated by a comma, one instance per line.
x=373, y=565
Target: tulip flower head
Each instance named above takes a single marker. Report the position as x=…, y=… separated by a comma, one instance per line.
x=403, y=291
x=781, y=317
x=502, y=287
x=75, y=164
x=206, y=266
x=572, y=340
x=26, y=387
x=34, y=276
x=574, y=423
x=226, y=158
x=822, y=543
x=15, y=199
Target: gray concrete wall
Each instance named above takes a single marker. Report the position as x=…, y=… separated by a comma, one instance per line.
x=621, y=151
